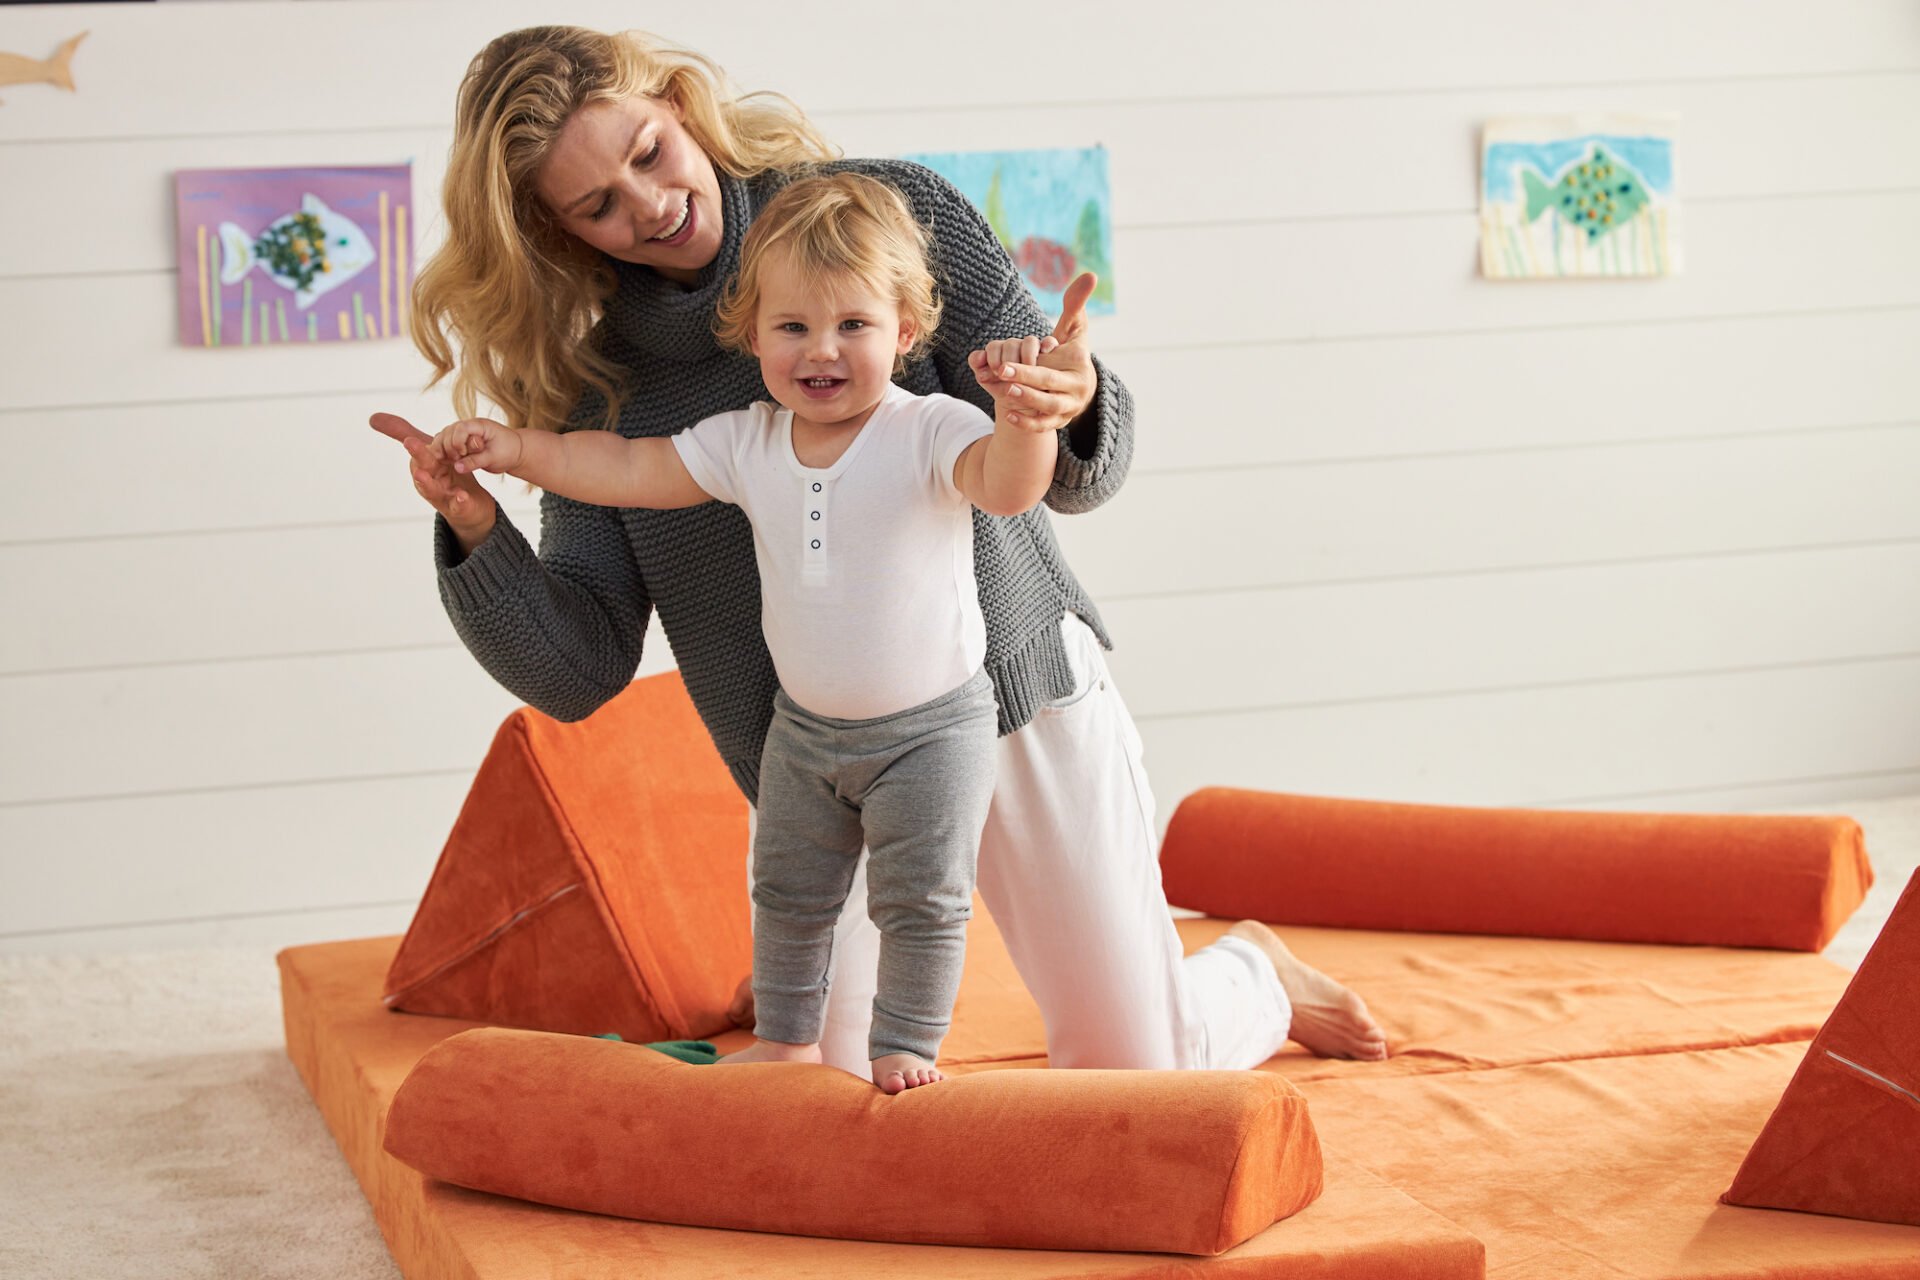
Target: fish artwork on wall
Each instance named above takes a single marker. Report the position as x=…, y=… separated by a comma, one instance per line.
x=327, y=251
x=57, y=71
x=1574, y=196
x=308, y=251
x=1049, y=208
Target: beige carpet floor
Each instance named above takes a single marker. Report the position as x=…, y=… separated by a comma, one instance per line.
x=152, y=1129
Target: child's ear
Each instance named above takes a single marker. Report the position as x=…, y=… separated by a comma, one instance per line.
x=907, y=335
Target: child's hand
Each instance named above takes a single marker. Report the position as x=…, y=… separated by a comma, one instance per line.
x=479, y=444
x=1051, y=386
x=995, y=369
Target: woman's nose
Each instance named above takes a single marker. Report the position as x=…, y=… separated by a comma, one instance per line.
x=649, y=202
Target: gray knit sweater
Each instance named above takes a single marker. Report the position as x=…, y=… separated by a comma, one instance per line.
x=563, y=630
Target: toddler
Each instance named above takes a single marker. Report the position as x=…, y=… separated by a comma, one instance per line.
x=860, y=495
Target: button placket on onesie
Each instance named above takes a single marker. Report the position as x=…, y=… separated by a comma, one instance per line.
x=814, y=534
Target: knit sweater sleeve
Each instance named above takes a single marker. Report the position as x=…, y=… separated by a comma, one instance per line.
x=985, y=298
x=561, y=630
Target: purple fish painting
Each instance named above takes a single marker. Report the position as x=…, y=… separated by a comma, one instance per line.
x=328, y=252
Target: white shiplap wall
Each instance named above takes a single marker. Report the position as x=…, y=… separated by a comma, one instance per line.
x=1392, y=530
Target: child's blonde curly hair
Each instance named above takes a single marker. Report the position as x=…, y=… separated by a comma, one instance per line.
x=829, y=228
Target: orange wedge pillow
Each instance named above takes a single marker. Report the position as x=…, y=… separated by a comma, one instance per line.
x=1715, y=879
x=1189, y=1162
x=596, y=879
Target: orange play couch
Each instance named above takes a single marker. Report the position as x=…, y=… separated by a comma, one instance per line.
x=1592, y=1018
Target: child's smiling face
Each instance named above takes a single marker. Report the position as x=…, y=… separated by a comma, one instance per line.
x=826, y=353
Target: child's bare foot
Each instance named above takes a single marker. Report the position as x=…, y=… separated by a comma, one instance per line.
x=1329, y=1019
x=899, y=1072
x=773, y=1051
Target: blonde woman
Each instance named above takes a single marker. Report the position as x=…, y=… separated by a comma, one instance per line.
x=597, y=195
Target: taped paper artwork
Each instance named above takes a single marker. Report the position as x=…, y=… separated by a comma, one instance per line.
x=1578, y=196
x=293, y=255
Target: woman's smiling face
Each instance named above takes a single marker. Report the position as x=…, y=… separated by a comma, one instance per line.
x=627, y=178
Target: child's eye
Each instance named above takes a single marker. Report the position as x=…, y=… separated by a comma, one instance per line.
x=793, y=326
x=853, y=324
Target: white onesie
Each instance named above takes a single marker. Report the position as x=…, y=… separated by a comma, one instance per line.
x=867, y=593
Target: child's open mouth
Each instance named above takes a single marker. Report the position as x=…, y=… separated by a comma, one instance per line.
x=820, y=388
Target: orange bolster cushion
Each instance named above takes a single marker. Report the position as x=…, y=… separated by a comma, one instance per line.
x=1158, y=1161
x=1711, y=879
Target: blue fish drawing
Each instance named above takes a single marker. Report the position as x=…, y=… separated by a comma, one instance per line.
x=1597, y=194
x=308, y=251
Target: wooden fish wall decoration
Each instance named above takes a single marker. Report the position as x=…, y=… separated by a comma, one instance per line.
x=58, y=70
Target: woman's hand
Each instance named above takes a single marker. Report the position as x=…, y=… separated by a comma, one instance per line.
x=1046, y=382
x=468, y=508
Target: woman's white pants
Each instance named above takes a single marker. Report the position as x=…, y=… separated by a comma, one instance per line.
x=1069, y=868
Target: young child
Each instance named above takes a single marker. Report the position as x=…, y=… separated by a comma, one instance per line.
x=860, y=497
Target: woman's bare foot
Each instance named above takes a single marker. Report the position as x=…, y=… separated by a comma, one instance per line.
x=899, y=1072
x=773, y=1051
x=1329, y=1019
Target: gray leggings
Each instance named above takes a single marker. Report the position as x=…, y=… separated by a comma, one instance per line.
x=914, y=786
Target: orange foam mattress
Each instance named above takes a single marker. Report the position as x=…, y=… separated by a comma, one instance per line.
x=1552, y=1109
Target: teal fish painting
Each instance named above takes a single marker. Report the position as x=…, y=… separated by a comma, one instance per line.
x=1598, y=195
x=309, y=251
x=1051, y=208
x=1579, y=196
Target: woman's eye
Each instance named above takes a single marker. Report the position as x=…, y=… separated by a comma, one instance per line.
x=646, y=161
x=602, y=209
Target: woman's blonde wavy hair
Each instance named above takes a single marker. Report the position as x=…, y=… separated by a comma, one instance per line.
x=830, y=228
x=516, y=292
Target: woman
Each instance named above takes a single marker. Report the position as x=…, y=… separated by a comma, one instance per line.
x=596, y=195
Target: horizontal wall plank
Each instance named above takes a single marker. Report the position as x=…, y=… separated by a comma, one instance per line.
x=1836, y=793
x=272, y=932
x=1317, y=280
x=286, y=591
x=1288, y=282
x=218, y=726
x=1419, y=152
x=103, y=340
x=225, y=853
x=1207, y=407
x=1380, y=641
x=222, y=726
x=875, y=56
x=1634, y=739
x=117, y=194
x=1237, y=528
x=1320, y=401
x=225, y=464
x=201, y=597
